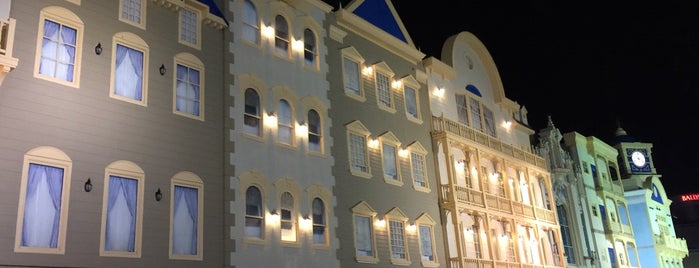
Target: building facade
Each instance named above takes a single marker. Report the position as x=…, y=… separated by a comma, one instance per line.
x=111, y=142
x=612, y=242
x=279, y=196
x=494, y=193
x=648, y=205
x=385, y=189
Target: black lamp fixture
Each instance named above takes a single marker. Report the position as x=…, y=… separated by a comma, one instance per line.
x=158, y=195
x=98, y=49
x=88, y=185
x=162, y=69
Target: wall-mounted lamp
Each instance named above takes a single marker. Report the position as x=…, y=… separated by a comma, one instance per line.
x=373, y=142
x=460, y=164
x=439, y=92
x=98, y=48
x=268, y=31
x=162, y=69
x=306, y=222
x=397, y=83
x=507, y=124
x=368, y=70
x=297, y=45
x=158, y=195
x=380, y=223
x=411, y=228
x=403, y=152
x=302, y=129
x=88, y=185
x=273, y=216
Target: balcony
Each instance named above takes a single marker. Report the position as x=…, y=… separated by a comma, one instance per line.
x=7, y=40
x=672, y=243
x=441, y=124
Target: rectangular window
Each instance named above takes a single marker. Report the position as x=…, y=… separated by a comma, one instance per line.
x=187, y=90
x=363, y=236
x=489, y=122
x=411, y=102
x=189, y=28
x=383, y=90
x=476, y=114
x=121, y=214
x=133, y=12
x=418, y=169
x=286, y=219
x=390, y=168
x=41, y=217
x=185, y=221
x=397, y=240
x=426, y=244
x=58, y=51
x=358, y=158
x=351, y=76
x=462, y=109
x=129, y=74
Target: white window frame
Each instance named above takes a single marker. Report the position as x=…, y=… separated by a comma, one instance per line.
x=284, y=52
x=416, y=149
x=427, y=221
x=290, y=125
x=53, y=157
x=390, y=140
x=314, y=51
x=356, y=128
x=324, y=225
x=142, y=16
x=362, y=209
x=249, y=25
x=259, y=116
x=135, y=42
x=262, y=217
x=383, y=70
x=130, y=170
x=192, y=62
x=63, y=17
x=189, y=180
x=397, y=216
x=293, y=211
x=351, y=54
x=411, y=83
x=183, y=27
x=319, y=134
x=462, y=110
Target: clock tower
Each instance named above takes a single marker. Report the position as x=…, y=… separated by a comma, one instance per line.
x=635, y=160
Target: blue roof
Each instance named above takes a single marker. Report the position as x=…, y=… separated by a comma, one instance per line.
x=213, y=8
x=379, y=14
x=473, y=89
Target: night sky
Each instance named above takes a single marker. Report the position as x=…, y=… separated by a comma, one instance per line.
x=588, y=67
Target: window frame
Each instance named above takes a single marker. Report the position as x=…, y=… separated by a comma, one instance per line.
x=416, y=148
x=129, y=170
x=324, y=225
x=390, y=140
x=198, y=10
x=293, y=213
x=64, y=17
x=320, y=150
x=142, y=16
x=262, y=217
x=351, y=54
x=396, y=215
x=356, y=128
x=279, y=51
x=383, y=70
x=191, y=62
x=247, y=25
x=53, y=157
x=413, y=84
x=189, y=180
x=314, y=52
x=362, y=209
x=259, y=116
x=134, y=42
x=291, y=125
x=425, y=220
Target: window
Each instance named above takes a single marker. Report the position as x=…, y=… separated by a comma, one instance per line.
x=319, y=225
x=309, y=47
x=122, y=211
x=411, y=103
x=189, y=27
x=418, y=166
x=565, y=234
x=489, y=122
x=622, y=214
x=130, y=54
x=462, y=109
x=189, y=86
x=252, y=116
x=631, y=251
x=285, y=127
x=358, y=155
x=315, y=142
x=281, y=35
x=390, y=162
x=44, y=190
x=383, y=90
x=288, y=215
x=351, y=64
x=254, y=217
x=364, y=241
x=186, y=221
x=251, y=28
x=59, y=46
x=476, y=114
x=428, y=252
x=397, y=237
x=133, y=12
x=472, y=238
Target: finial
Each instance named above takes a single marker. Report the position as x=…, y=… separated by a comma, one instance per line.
x=550, y=122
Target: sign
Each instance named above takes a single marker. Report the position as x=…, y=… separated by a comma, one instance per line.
x=689, y=197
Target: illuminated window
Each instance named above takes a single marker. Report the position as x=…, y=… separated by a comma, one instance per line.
x=397, y=238
x=251, y=26
x=412, y=102
x=122, y=211
x=44, y=195
x=390, y=162
x=383, y=90
x=189, y=86
x=281, y=38
x=254, y=214
x=186, y=220
x=133, y=12
x=130, y=56
x=288, y=217
x=352, y=76
x=252, y=118
x=357, y=136
x=364, y=241
x=428, y=251
x=59, y=46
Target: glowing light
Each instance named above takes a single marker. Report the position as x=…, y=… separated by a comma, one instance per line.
x=380, y=223
x=301, y=129
x=270, y=119
x=297, y=45
x=397, y=83
x=267, y=31
x=689, y=197
x=306, y=223
x=403, y=152
x=368, y=70
x=439, y=92
x=507, y=124
x=373, y=143
x=411, y=228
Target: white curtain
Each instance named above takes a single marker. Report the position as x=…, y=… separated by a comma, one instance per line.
x=185, y=221
x=120, y=232
x=362, y=233
x=389, y=162
x=318, y=221
x=351, y=69
x=42, y=207
x=426, y=243
x=128, y=79
x=284, y=122
x=411, y=102
x=187, y=90
x=58, y=51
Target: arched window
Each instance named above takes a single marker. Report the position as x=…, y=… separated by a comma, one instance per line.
x=315, y=142
x=631, y=251
x=252, y=116
x=251, y=28
x=544, y=194
x=186, y=221
x=319, y=224
x=309, y=47
x=281, y=32
x=122, y=212
x=285, y=126
x=565, y=233
x=254, y=214
x=288, y=226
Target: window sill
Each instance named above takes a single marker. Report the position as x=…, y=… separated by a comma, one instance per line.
x=254, y=240
x=287, y=146
x=351, y=94
x=387, y=109
x=365, y=175
x=421, y=188
x=253, y=137
x=429, y=264
x=413, y=119
x=396, y=182
x=401, y=262
x=366, y=259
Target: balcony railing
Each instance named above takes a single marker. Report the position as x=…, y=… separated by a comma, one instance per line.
x=441, y=124
x=481, y=263
x=670, y=242
x=7, y=40
x=626, y=229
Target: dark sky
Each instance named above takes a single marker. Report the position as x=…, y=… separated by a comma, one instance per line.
x=588, y=66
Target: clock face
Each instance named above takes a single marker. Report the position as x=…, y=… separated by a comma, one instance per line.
x=638, y=159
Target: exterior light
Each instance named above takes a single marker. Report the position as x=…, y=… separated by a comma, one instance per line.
x=507, y=124
x=88, y=185
x=268, y=31
x=297, y=45
x=302, y=129
x=439, y=92
x=98, y=48
x=158, y=195
x=397, y=83
x=380, y=223
x=411, y=228
x=274, y=216
x=368, y=70
x=403, y=152
x=162, y=69
x=306, y=222
x=373, y=143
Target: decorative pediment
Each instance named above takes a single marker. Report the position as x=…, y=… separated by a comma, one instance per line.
x=357, y=126
x=363, y=208
x=417, y=147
